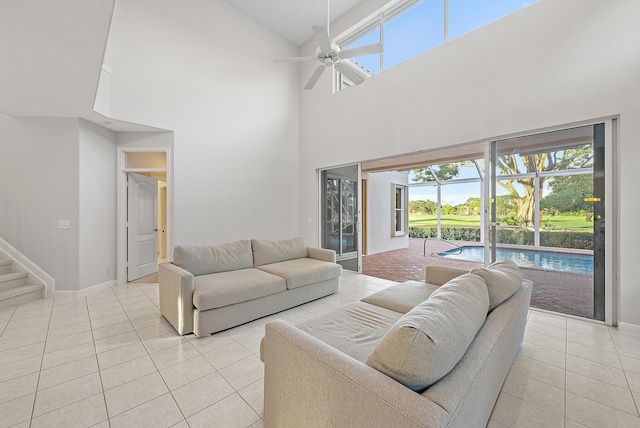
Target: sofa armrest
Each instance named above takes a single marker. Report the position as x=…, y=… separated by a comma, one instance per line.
x=176, y=296
x=438, y=275
x=310, y=384
x=323, y=254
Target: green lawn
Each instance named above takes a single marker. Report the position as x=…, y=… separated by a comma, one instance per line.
x=559, y=221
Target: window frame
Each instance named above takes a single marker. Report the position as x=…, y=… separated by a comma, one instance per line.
x=401, y=212
x=378, y=20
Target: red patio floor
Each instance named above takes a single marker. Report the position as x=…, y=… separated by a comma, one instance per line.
x=564, y=292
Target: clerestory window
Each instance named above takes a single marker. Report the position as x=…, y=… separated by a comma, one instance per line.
x=407, y=28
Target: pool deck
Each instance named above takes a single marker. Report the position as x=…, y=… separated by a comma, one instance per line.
x=564, y=292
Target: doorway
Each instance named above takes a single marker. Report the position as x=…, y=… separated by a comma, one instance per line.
x=539, y=198
x=340, y=214
x=552, y=184
x=144, y=211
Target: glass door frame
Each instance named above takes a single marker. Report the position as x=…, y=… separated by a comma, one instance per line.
x=321, y=180
x=610, y=294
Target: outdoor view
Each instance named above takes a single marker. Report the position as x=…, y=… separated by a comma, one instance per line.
x=544, y=217
x=566, y=213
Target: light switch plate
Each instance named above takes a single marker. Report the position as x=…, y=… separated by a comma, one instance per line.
x=64, y=224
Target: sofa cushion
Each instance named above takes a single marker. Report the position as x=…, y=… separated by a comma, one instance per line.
x=299, y=272
x=428, y=341
x=354, y=329
x=503, y=278
x=266, y=252
x=402, y=297
x=203, y=260
x=226, y=288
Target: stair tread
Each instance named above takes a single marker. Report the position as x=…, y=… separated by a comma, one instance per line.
x=13, y=275
x=6, y=262
x=17, y=291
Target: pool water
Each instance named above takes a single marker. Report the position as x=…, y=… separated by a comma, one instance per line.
x=536, y=259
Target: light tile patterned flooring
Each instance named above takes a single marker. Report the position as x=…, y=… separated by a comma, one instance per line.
x=110, y=359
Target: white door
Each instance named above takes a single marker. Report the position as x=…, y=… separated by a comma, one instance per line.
x=142, y=230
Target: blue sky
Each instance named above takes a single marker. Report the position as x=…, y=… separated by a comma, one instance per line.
x=422, y=28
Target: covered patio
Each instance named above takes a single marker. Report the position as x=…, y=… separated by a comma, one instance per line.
x=564, y=292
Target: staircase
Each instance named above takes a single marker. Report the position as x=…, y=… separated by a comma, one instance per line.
x=17, y=287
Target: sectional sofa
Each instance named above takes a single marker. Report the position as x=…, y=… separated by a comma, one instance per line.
x=418, y=354
x=208, y=289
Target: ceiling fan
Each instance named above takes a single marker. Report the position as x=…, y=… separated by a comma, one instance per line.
x=329, y=54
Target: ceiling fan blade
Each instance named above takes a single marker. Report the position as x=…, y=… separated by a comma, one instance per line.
x=295, y=58
x=314, y=77
x=361, y=51
x=349, y=72
x=322, y=37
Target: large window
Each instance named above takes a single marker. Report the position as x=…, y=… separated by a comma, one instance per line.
x=407, y=28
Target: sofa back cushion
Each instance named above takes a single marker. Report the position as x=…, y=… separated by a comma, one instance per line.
x=203, y=260
x=267, y=252
x=503, y=278
x=428, y=341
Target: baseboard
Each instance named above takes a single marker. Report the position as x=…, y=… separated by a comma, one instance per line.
x=28, y=266
x=85, y=291
x=629, y=328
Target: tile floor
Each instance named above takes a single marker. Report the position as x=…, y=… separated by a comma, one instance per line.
x=109, y=360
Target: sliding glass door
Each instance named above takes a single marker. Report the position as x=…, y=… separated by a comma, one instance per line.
x=340, y=214
x=553, y=186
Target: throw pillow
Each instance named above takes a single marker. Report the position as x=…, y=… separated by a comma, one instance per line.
x=503, y=278
x=428, y=341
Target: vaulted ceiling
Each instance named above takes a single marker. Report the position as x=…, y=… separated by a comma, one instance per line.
x=293, y=19
x=52, y=51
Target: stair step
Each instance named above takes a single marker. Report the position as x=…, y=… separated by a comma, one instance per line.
x=13, y=280
x=19, y=295
x=5, y=266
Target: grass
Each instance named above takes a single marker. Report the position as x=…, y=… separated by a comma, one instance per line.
x=559, y=221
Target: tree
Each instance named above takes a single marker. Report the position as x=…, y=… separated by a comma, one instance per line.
x=473, y=206
x=505, y=205
x=448, y=209
x=442, y=172
x=524, y=195
x=418, y=207
x=521, y=190
x=423, y=207
x=432, y=207
x=568, y=194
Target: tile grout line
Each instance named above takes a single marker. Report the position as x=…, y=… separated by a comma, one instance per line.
x=152, y=362
x=626, y=378
x=44, y=349
x=95, y=354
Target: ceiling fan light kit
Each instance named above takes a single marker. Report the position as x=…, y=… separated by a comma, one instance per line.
x=329, y=55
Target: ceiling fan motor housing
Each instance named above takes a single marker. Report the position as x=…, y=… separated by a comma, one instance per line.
x=328, y=58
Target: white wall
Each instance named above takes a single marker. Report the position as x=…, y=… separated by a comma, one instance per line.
x=380, y=209
x=550, y=64
x=97, y=205
x=39, y=177
x=205, y=71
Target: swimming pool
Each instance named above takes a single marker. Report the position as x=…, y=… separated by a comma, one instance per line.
x=536, y=259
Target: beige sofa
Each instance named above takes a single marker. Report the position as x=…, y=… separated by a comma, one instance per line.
x=400, y=357
x=209, y=289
